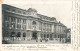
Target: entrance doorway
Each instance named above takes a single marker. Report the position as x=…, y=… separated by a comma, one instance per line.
x=34, y=35
x=12, y=34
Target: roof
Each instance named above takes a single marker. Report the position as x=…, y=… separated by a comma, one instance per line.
x=34, y=10
x=61, y=24
x=46, y=17
x=31, y=10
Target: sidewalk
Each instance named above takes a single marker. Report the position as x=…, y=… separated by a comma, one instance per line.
x=31, y=42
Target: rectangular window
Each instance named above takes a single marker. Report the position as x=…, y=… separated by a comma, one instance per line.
x=47, y=35
x=8, y=9
x=41, y=35
x=29, y=24
x=14, y=25
x=50, y=35
x=19, y=26
x=12, y=19
x=24, y=21
x=13, y=10
x=55, y=36
x=44, y=35
x=7, y=24
x=58, y=36
x=50, y=28
x=24, y=27
x=19, y=11
x=24, y=12
x=19, y=20
x=7, y=18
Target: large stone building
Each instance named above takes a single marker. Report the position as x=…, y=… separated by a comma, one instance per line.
x=29, y=25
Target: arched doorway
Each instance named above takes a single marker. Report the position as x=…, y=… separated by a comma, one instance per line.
x=12, y=34
x=34, y=23
x=34, y=35
x=24, y=34
x=50, y=35
x=44, y=36
x=18, y=34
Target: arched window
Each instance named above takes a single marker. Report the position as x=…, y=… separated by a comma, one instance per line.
x=12, y=34
x=34, y=23
x=24, y=34
x=18, y=34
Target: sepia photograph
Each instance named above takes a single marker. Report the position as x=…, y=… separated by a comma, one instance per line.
x=36, y=24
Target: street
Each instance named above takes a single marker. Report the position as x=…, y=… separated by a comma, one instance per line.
x=30, y=42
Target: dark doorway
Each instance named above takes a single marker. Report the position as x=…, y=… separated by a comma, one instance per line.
x=12, y=34
x=34, y=35
x=24, y=34
x=18, y=34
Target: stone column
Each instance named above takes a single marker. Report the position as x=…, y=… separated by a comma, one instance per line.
x=26, y=36
x=30, y=24
x=46, y=35
x=49, y=36
x=38, y=35
x=21, y=35
x=29, y=35
x=37, y=26
x=16, y=24
x=10, y=23
x=21, y=24
x=43, y=36
x=53, y=36
x=27, y=24
x=30, y=32
x=56, y=36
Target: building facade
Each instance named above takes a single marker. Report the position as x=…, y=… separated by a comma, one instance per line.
x=29, y=25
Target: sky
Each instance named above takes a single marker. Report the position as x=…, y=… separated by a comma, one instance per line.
x=61, y=10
